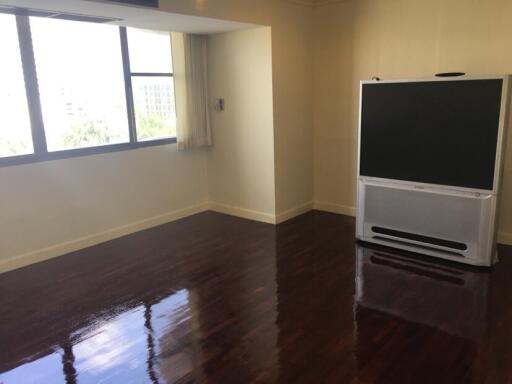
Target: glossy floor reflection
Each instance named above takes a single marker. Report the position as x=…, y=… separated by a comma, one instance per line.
x=216, y=299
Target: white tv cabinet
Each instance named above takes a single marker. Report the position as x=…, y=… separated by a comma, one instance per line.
x=453, y=223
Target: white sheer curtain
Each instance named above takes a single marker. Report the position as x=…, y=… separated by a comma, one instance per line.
x=191, y=89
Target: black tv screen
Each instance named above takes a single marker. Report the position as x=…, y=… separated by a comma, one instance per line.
x=437, y=132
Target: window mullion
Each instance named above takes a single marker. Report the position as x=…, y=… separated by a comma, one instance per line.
x=31, y=85
x=151, y=74
x=128, y=85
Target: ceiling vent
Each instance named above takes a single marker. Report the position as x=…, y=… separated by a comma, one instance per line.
x=55, y=14
x=143, y=3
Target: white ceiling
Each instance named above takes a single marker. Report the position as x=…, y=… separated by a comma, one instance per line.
x=133, y=16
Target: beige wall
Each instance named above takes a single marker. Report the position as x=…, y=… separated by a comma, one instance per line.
x=318, y=58
x=293, y=107
x=241, y=162
x=358, y=39
x=335, y=103
x=54, y=207
x=292, y=86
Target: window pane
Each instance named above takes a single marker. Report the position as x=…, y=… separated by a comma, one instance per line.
x=150, y=51
x=15, y=131
x=81, y=82
x=155, y=110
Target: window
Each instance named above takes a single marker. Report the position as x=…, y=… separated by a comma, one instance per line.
x=15, y=130
x=81, y=83
x=72, y=88
x=152, y=84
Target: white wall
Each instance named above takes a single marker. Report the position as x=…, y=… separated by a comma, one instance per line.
x=51, y=208
x=292, y=63
x=241, y=163
x=318, y=57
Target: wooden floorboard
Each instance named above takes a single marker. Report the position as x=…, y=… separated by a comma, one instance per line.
x=217, y=299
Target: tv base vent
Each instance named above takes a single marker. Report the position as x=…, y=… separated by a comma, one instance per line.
x=435, y=221
x=420, y=247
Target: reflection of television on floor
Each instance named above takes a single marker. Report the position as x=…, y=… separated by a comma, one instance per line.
x=450, y=304
x=430, y=159
x=438, y=296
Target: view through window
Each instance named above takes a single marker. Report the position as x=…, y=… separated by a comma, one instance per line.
x=97, y=86
x=81, y=82
x=152, y=83
x=15, y=130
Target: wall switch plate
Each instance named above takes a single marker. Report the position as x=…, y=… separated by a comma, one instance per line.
x=219, y=105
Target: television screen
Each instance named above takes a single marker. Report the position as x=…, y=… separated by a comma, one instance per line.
x=437, y=132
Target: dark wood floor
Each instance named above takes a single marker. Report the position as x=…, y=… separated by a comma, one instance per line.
x=216, y=299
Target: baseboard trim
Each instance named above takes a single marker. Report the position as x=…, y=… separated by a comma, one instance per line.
x=57, y=250
x=335, y=208
x=243, y=213
x=263, y=217
x=294, y=212
x=505, y=238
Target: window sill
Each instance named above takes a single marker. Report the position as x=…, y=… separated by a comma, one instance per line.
x=80, y=152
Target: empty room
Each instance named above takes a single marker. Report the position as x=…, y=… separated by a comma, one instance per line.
x=255, y=191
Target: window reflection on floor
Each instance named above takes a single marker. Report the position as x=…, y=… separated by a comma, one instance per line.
x=116, y=349
x=171, y=322
x=47, y=369
x=125, y=348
